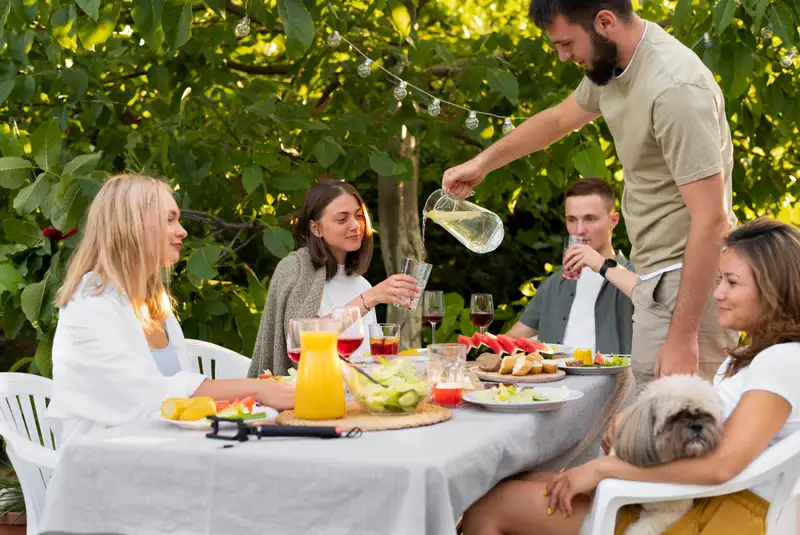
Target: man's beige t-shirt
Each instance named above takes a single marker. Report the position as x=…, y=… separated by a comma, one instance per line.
x=666, y=113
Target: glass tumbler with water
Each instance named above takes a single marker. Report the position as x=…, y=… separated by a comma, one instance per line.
x=447, y=365
x=479, y=229
x=420, y=271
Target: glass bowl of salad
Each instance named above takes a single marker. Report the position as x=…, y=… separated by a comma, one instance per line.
x=407, y=387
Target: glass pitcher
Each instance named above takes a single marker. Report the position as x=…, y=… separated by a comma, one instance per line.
x=319, y=393
x=480, y=230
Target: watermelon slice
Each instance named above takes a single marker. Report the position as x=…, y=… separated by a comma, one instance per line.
x=540, y=346
x=477, y=340
x=466, y=340
x=491, y=342
x=507, y=343
x=525, y=344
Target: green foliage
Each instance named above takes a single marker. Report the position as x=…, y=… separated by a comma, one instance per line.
x=242, y=126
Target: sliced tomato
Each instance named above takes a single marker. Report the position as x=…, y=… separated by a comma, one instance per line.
x=266, y=376
x=248, y=403
x=223, y=405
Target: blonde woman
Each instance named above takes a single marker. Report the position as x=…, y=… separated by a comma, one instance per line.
x=119, y=350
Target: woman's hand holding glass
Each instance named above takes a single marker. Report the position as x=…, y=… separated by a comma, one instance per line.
x=391, y=290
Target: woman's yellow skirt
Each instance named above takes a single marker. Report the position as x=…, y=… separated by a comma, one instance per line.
x=742, y=513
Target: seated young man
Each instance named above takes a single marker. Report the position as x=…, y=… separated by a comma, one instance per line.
x=593, y=311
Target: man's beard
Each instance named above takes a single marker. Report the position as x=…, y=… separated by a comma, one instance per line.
x=603, y=65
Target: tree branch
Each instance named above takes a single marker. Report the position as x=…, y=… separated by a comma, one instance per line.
x=280, y=68
x=117, y=79
x=210, y=219
x=326, y=94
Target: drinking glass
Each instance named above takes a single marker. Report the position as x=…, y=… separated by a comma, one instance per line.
x=447, y=364
x=481, y=310
x=293, y=340
x=418, y=270
x=384, y=339
x=433, y=310
x=569, y=241
x=351, y=329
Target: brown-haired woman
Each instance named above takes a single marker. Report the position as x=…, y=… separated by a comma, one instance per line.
x=759, y=294
x=334, y=249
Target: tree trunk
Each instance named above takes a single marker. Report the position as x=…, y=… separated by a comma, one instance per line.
x=398, y=211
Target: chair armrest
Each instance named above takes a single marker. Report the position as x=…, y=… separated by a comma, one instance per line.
x=29, y=451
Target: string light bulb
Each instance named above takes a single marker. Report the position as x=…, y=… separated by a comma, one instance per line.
x=472, y=121
x=508, y=126
x=766, y=32
x=243, y=28
x=788, y=60
x=334, y=39
x=400, y=92
x=708, y=42
x=435, y=108
x=365, y=69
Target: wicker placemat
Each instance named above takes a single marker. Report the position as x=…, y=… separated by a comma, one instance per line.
x=355, y=416
x=508, y=378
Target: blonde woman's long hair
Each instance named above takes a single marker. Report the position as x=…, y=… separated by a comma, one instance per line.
x=120, y=244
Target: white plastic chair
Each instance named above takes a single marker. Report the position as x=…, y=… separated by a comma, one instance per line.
x=215, y=361
x=781, y=461
x=30, y=443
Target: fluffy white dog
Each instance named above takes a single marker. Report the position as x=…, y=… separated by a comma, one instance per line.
x=673, y=418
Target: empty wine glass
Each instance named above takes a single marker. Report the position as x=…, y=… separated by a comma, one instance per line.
x=481, y=310
x=293, y=340
x=433, y=310
x=351, y=329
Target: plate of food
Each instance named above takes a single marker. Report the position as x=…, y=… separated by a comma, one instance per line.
x=192, y=413
x=583, y=363
x=516, y=398
x=516, y=368
x=561, y=350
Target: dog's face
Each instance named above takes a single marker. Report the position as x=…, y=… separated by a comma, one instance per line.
x=673, y=418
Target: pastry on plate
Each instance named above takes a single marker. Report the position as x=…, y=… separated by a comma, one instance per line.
x=536, y=368
x=507, y=364
x=521, y=367
x=488, y=362
x=549, y=367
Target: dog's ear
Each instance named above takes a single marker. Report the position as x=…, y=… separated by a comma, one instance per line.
x=635, y=435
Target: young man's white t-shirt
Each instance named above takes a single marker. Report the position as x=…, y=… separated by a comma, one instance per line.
x=580, y=332
x=776, y=370
x=342, y=289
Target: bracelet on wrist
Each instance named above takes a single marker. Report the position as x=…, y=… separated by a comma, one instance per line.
x=363, y=302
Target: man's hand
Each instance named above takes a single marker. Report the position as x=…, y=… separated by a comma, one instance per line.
x=678, y=357
x=580, y=255
x=460, y=180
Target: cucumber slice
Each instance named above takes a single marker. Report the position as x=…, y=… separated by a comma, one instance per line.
x=408, y=399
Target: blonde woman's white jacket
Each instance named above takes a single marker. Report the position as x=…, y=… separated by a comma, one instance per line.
x=104, y=374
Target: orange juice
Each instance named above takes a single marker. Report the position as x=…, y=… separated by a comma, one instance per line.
x=319, y=392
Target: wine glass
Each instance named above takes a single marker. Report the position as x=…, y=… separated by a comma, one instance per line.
x=351, y=329
x=481, y=310
x=433, y=310
x=293, y=340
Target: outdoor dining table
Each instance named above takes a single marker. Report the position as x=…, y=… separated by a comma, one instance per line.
x=155, y=478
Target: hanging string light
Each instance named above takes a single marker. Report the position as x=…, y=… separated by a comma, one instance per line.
x=243, y=28
x=334, y=39
x=401, y=91
x=788, y=59
x=766, y=31
x=365, y=69
x=435, y=108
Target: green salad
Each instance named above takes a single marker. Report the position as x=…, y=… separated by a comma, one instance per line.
x=513, y=394
x=405, y=389
x=616, y=360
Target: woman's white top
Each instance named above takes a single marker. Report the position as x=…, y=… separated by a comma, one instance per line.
x=342, y=289
x=167, y=360
x=776, y=370
x=104, y=374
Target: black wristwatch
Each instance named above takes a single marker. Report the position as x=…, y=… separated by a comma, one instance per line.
x=609, y=263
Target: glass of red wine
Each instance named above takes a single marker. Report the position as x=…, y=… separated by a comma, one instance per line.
x=481, y=310
x=351, y=330
x=433, y=310
x=293, y=340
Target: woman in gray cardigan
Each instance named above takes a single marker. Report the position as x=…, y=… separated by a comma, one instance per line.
x=334, y=240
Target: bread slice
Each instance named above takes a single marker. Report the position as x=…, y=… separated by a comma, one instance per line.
x=534, y=357
x=521, y=367
x=506, y=365
x=549, y=367
x=536, y=368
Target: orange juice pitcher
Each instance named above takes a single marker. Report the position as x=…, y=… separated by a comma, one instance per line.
x=319, y=393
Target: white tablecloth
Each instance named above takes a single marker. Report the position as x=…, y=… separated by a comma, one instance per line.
x=154, y=478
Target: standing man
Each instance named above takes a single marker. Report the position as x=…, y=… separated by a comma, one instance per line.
x=666, y=114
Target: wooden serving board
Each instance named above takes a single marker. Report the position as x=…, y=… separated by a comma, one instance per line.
x=508, y=378
x=355, y=416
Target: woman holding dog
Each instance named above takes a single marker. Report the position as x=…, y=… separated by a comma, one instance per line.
x=755, y=389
